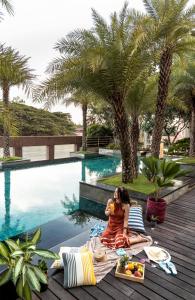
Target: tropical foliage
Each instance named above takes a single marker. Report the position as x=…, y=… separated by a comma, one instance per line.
x=98, y=131
x=105, y=61
x=17, y=257
x=33, y=121
x=14, y=71
x=181, y=147
x=161, y=173
x=172, y=23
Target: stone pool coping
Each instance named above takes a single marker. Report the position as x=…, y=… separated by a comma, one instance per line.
x=100, y=193
x=13, y=163
x=31, y=164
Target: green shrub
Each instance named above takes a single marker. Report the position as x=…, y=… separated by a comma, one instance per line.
x=97, y=130
x=180, y=147
x=113, y=146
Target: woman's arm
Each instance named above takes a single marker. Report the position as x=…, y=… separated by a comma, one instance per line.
x=126, y=217
x=107, y=210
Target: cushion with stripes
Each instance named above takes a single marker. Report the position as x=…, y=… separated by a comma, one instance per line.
x=135, y=221
x=58, y=263
x=78, y=269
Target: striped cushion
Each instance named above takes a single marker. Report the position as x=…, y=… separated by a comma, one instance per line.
x=58, y=263
x=135, y=221
x=78, y=269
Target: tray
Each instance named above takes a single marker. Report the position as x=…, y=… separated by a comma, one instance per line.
x=129, y=277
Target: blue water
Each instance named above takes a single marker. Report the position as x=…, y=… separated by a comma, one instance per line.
x=31, y=197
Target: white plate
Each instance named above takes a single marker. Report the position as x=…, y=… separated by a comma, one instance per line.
x=157, y=254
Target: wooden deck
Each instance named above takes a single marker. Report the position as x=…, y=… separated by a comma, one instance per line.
x=177, y=235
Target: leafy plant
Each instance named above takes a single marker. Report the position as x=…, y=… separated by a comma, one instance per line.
x=161, y=172
x=113, y=146
x=42, y=265
x=18, y=258
x=180, y=147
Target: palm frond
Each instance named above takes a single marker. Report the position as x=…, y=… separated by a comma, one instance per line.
x=150, y=9
x=8, y=6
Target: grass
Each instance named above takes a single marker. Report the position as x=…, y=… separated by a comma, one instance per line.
x=140, y=184
x=187, y=160
x=10, y=158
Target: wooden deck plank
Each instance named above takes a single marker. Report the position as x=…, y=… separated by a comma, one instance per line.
x=77, y=292
x=119, y=285
x=59, y=291
x=111, y=290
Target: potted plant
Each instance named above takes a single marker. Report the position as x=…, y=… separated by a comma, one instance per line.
x=22, y=274
x=162, y=174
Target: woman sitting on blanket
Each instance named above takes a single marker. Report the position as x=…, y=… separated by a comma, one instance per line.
x=117, y=234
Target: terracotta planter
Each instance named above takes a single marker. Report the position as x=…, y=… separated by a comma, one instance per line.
x=156, y=209
x=8, y=291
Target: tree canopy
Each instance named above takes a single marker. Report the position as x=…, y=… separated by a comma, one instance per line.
x=33, y=121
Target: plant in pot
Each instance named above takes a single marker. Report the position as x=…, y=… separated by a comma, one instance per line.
x=162, y=174
x=22, y=275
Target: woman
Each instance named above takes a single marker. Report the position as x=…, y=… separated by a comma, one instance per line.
x=117, y=234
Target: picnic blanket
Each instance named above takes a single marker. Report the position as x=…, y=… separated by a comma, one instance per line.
x=101, y=269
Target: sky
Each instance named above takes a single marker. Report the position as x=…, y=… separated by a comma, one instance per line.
x=38, y=24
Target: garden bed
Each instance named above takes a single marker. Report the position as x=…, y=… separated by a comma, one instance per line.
x=102, y=190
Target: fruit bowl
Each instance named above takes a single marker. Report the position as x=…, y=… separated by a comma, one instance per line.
x=133, y=271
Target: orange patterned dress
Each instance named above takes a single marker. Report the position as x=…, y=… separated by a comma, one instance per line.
x=113, y=237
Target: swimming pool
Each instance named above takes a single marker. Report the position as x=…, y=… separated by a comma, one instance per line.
x=31, y=197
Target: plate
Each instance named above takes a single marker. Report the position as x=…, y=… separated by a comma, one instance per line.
x=157, y=254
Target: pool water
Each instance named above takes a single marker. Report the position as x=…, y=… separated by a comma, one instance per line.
x=34, y=196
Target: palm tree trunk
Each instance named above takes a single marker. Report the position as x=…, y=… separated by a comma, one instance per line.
x=122, y=127
x=192, y=129
x=163, y=85
x=84, y=138
x=6, y=137
x=134, y=138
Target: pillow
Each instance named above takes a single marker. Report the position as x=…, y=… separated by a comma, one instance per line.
x=78, y=269
x=58, y=263
x=135, y=221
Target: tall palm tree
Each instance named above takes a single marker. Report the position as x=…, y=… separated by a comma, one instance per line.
x=105, y=61
x=140, y=100
x=184, y=81
x=171, y=27
x=13, y=72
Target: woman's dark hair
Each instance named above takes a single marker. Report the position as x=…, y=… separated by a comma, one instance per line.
x=125, y=196
x=119, y=190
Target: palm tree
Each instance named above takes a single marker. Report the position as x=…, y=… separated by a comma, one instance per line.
x=184, y=80
x=171, y=27
x=13, y=72
x=105, y=61
x=140, y=100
